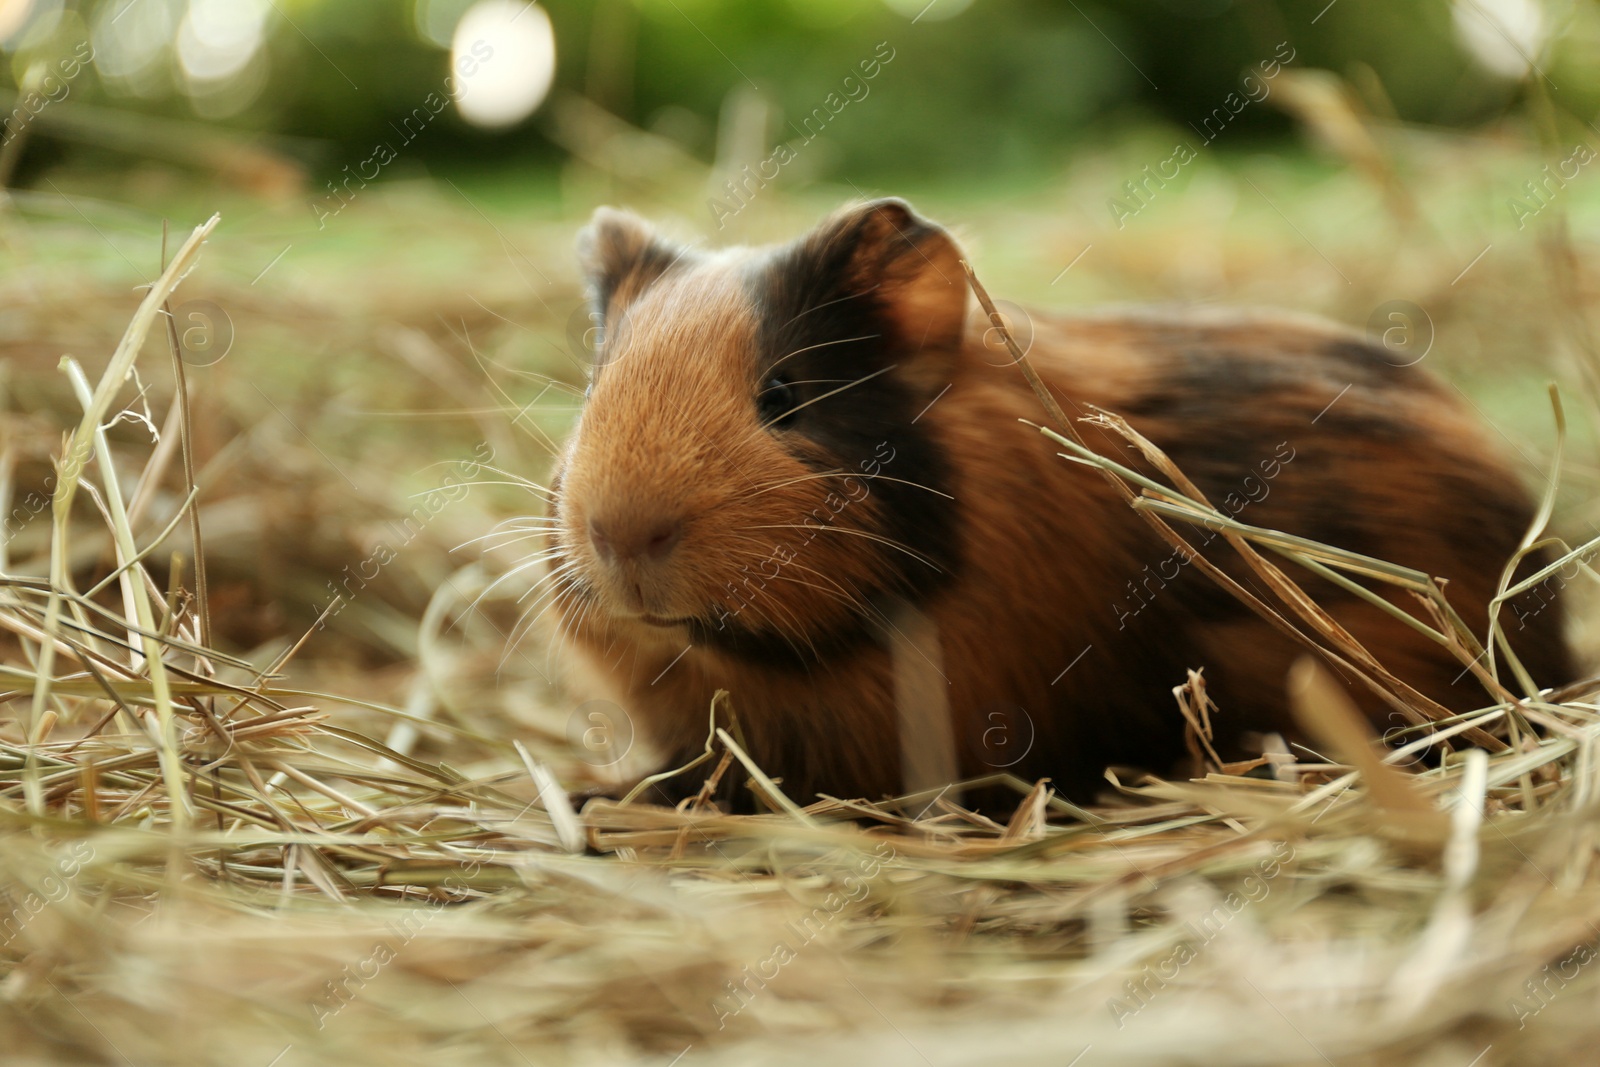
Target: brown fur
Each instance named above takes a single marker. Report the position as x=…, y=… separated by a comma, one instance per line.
x=1047, y=563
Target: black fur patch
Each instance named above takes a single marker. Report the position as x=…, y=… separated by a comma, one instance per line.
x=769, y=648
x=823, y=329
x=1369, y=364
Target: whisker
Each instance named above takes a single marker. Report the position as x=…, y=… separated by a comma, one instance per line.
x=514, y=478
x=774, y=627
x=535, y=589
x=845, y=474
x=571, y=623
x=832, y=392
x=538, y=490
x=510, y=541
x=886, y=541
x=818, y=381
x=774, y=605
x=850, y=597
x=532, y=430
x=841, y=597
x=506, y=577
x=523, y=533
x=847, y=597
x=566, y=624
x=524, y=626
x=830, y=303
x=821, y=344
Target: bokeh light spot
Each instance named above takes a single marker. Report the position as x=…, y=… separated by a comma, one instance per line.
x=1503, y=36
x=131, y=46
x=218, y=37
x=503, y=59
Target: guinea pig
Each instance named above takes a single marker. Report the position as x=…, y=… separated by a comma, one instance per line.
x=799, y=467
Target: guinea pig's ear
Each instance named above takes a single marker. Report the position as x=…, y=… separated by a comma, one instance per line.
x=911, y=266
x=621, y=255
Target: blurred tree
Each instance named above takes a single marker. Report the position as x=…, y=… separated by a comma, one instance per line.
x=973, y=85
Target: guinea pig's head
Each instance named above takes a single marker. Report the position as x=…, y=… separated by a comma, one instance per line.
x=748, y=472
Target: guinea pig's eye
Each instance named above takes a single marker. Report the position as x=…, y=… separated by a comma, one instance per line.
x=775, y=402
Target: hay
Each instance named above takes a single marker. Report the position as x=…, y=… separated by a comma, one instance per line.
x=202, y=862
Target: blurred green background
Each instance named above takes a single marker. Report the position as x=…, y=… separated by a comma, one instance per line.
x=976, y=85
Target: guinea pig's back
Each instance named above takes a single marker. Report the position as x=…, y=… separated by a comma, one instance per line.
x=1283, y=422
x=1294, y=423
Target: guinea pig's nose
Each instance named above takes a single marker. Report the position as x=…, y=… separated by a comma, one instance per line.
x=622, y=540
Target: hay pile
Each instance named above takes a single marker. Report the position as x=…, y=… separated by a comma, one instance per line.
x=203, y=861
